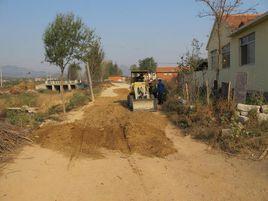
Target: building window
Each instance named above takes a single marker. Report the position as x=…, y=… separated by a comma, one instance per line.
x=226, y=56
x=247, y=49
x=213, y=59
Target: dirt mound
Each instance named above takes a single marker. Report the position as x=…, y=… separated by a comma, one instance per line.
x=112, y=126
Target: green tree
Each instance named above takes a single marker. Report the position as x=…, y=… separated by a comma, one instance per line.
x=115, y=70
x=73, y=71
x=106, y=65
x=86, y=44
x=94, y=60
x=61, y=40
x=109, y=68
x=134, y=67
x=147, y=64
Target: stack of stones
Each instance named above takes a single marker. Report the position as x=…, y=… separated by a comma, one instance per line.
x=244, y=109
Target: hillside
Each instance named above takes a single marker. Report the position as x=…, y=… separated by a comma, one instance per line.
x=21, y=72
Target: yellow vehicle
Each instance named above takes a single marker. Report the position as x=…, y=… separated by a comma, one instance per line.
x=140, y=97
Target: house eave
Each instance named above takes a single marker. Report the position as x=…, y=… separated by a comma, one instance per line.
x=210, y=36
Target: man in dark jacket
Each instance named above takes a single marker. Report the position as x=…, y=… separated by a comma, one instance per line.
x=160, y=92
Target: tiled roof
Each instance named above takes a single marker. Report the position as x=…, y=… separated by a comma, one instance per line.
x=237, y=21
x=257, y=20
x=167, y=69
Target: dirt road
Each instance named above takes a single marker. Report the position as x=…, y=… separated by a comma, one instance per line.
x=69, y=164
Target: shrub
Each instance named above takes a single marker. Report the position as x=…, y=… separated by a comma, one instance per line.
x=208, y=134
x=264, y=127
x=55, y=109
x=224, y=111
x=22, y=118
x=255, y=98
x=171, y=105
x=77, y=100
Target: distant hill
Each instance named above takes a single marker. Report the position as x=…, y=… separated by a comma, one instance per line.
x=21, y=72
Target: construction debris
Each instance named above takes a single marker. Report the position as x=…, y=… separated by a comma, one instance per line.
x=11, y=138
x=24, y=108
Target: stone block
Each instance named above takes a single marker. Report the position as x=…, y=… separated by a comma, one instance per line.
x=244, y=113
x=265, y=109
x=247, y=108
x=243, y=119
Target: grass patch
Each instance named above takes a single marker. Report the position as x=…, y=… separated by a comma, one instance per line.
x=22, y=119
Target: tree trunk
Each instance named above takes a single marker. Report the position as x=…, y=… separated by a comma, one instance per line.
x=219, y=53
x=90, y=83
x=62, y=93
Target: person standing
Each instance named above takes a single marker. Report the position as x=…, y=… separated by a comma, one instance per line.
x=160, y=92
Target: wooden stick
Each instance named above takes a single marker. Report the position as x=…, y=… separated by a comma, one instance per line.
x=207, y=88
x=187, y=92
x=264, y=154
x=229, y=92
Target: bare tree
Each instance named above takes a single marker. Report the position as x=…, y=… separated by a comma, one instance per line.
x=220, y=10
x=192, y=57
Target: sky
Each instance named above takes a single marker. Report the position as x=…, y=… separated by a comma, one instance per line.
x=130, y=29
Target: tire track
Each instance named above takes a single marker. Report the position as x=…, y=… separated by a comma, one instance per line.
x=132, y=163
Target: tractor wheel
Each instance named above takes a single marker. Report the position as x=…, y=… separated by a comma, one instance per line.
x=130, y=99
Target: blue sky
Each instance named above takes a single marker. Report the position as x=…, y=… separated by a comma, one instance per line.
x=130, y=29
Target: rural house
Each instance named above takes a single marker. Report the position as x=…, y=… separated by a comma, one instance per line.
x=244, y=40
x=167, y=73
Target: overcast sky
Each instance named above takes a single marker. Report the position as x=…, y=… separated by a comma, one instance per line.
x=130, y=29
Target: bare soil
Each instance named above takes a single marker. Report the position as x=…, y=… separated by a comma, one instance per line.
x=193, y=172
x=111, y=125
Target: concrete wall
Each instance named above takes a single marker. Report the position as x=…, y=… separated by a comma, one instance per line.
x=257, y=73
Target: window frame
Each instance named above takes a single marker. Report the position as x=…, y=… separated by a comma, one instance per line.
x=226, y=51
x=247, y=43
x=213, y=54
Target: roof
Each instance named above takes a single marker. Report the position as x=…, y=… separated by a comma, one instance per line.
x=239, y=20
x=167, y=69
x=255, y=21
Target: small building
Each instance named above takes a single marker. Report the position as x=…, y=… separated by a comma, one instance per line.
x=117, y=78
x=39, y=79
x=167, y=73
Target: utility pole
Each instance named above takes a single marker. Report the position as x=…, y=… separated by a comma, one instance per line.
x=1, y=75
x=90, y=82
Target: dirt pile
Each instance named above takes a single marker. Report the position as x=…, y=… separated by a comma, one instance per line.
x=112, y=126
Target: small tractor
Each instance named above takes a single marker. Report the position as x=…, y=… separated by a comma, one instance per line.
x=140, y=97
